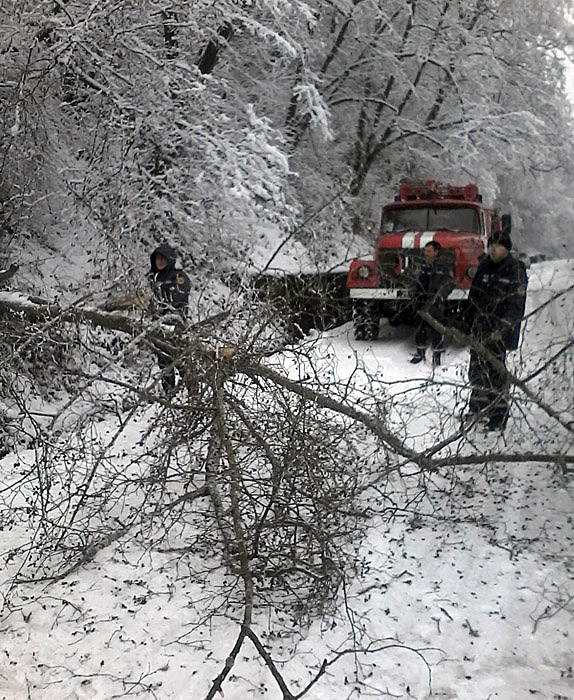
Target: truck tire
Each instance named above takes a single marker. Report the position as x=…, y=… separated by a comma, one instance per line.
x=365, y=321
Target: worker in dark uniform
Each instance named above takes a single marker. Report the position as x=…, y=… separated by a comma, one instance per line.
x=170, y=287
x=495, y=311
x=434, y=284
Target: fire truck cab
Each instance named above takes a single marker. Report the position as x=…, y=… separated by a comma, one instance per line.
x=384, y=287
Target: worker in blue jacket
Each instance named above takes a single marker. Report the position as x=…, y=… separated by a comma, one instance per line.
x=495, y=311
x=170, y=286
x=433, y=285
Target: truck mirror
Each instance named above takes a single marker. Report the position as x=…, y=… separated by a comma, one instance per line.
x=506, y=223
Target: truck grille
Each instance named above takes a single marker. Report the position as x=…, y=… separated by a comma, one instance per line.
x=399, y=267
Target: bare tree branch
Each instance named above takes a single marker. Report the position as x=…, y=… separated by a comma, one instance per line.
x=483, y=351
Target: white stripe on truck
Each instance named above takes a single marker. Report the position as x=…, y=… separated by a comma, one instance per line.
x=426, y=237
x=409, y=240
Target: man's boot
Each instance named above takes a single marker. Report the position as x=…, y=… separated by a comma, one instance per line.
x=419, y=356
x=498, y=420
x=168, y=381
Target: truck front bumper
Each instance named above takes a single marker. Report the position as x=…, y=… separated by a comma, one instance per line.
x=397, y=294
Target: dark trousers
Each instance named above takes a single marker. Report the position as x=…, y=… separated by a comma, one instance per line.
x=165, y=363
x=489, y=385
x=426, y=333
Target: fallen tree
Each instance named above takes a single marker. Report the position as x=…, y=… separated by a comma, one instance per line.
x=266, y=471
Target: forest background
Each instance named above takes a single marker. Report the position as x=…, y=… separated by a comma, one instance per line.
x=265, y=135
x=210, y=124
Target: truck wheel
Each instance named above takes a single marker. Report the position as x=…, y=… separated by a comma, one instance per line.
x=365, y=321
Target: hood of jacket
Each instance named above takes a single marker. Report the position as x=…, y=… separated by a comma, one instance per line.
x=168, y=252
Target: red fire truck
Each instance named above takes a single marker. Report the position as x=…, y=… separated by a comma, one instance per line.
x=455, y=216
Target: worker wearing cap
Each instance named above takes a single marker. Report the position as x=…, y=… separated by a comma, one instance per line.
x=495, y=311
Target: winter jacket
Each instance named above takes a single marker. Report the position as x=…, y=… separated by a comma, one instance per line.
x=168, y=293
x=433, y=286
x=496, y=300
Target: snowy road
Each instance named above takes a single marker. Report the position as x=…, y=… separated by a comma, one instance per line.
x=465, y=593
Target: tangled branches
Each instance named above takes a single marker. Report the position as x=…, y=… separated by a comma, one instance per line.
x=264, y=467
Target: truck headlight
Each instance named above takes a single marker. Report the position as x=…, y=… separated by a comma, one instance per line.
x=364, y=272
x=471, y=271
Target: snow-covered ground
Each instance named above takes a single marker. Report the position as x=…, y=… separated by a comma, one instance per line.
x=466, y=592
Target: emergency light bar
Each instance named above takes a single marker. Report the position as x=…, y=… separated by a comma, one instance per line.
x=434, y=190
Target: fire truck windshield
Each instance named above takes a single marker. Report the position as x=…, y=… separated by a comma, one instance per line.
x=431, y=219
